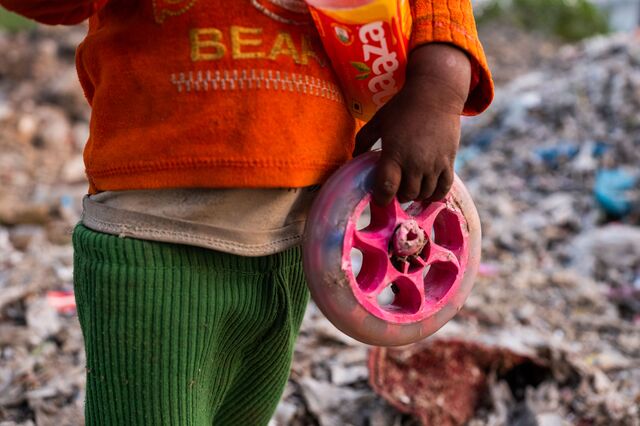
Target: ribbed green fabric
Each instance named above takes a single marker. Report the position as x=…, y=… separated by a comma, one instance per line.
x=179, y=335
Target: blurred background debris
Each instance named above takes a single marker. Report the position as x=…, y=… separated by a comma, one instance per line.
x=551, y=333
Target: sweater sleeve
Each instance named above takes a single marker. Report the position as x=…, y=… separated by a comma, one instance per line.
x=452, y=21
x=55, y=12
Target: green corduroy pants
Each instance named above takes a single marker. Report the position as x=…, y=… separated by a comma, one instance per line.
x=180, y=335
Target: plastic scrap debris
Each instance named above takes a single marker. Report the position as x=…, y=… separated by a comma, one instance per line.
x=553, y=155
x=617, y=191
x=63, y=301
x=488, y=270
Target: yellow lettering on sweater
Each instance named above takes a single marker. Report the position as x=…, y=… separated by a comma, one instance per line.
x=283, y=45
x=308, y=52
x=237, y=42
x=206, y=44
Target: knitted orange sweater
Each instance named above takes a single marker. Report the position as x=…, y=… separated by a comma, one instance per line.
x=212, y=93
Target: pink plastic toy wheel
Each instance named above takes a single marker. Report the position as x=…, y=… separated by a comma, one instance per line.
x=394, y=275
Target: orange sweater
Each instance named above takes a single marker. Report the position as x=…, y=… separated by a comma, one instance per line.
x=212, y=93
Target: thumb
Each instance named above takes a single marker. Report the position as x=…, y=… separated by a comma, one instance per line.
x=366, y=137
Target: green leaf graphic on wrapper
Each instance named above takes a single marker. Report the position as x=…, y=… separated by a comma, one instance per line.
x=364, y=69
x=361, y=66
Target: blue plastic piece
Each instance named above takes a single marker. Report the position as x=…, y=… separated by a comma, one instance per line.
x=600, y=149
x=550, y=155
x=611, y=191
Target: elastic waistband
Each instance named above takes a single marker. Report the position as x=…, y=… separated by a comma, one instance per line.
x=145, y=254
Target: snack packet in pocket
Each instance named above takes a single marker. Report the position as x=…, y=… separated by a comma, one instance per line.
x=367, y=42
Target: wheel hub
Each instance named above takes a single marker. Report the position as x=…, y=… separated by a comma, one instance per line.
x=408, y=239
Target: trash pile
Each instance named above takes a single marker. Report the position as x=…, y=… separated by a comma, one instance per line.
x=551, y=333
x=504, y=46
x=549, y=336
x=43, y=127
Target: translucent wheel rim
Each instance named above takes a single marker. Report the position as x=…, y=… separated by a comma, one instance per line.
x=397, y=296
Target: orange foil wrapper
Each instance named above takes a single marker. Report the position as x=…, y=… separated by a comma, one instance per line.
x=367, y=42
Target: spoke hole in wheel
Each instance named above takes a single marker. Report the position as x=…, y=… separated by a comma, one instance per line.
x=438, y=280
x=356, y=261
x=425, y=271
x=414, y=208
x=364, y=220
x=387, y=295
x=368, y=267
x=406, y=206
x=447, y=231
x=400, y=296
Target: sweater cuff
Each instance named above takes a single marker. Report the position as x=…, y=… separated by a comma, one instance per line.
x=59, y=12
x=452, y=22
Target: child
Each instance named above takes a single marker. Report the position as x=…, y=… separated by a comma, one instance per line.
x=203, y=113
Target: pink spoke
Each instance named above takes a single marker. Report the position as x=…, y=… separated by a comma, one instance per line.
x=418, y=282
x=399, y=213
x=439, y=254
x=421, y=261
x=405, y=267
x=428, y=216
x=388, y=278
x=384, y=219
x=377, y=239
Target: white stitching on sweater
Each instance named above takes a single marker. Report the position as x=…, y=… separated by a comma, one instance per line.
x=203, y=81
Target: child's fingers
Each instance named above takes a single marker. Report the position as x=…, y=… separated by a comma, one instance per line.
x=428, y=187
x=387, y=181
x=444, y=185
x=366, y=137
x=409, y=187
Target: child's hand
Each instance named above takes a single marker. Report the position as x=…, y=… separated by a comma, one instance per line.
x=420, y=127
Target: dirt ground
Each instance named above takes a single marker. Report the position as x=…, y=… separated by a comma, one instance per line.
x=550, y=335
